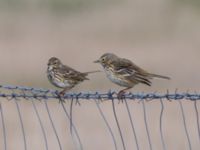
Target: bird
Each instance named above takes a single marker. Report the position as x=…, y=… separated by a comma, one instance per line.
x=63, y=76
x=125, y=73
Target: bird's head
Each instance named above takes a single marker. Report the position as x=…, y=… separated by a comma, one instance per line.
x=106, y=59
x=54, y=62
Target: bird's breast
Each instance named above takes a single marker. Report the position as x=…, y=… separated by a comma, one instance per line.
x=117, y=79
x=57, y=80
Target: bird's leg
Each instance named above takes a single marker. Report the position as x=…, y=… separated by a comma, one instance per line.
x=62, y=94
x=121, y=93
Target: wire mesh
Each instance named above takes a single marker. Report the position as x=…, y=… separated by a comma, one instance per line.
x=19, y=92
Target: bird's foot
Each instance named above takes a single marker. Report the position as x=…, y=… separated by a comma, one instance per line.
x=61, y=97
x=121, y=96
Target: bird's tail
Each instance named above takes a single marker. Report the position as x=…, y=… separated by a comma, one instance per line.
x=158, y=76
x=95, y=71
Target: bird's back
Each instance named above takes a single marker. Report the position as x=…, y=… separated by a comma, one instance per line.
x=72, y=74
x=130, y=72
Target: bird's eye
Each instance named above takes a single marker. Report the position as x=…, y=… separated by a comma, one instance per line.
x=103, y=59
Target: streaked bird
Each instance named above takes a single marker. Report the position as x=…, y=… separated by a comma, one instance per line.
x=63, y=76
x=125, y=73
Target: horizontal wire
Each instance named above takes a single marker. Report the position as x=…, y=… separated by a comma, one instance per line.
x=14, y=92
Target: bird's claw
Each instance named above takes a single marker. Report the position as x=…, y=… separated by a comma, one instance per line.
x=61, y=97
x=121, y=96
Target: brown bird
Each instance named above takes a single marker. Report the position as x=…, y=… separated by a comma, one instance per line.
x=62, y=76
x=125, y=73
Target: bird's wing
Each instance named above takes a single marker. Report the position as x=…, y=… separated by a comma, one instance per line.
x=131, y=71
x=126, y=66
x=71, y=74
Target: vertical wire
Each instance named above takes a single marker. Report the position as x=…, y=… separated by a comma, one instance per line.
x=197, y=116
x=107, y=124
x=4, y=127
x=132, y=125
x=21, y=124
x=52, y=124
x=146, y=125
x=185, y=126
x=73, y=127
x=117, y=122
x=71, y=106
x=161, y=125
x=41, y=125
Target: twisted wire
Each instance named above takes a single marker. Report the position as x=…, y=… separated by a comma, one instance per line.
x=185, y=125
x=107, y=125
x=118, y=126
x=161, y=125
x=41, y=125
x=146, y=125
x=52, y=124
x=132, y=125
x=21, y=124
x=73, y=128
x=14, y=92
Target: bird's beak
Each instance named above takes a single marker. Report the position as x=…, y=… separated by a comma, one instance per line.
x=97, y=61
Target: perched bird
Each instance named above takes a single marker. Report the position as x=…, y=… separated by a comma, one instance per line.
x=124, y=72
x=63, y=76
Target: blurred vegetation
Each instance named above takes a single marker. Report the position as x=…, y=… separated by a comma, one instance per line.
x=71, y=5
x=67, y=6
x=54, y=5
x=192, y=3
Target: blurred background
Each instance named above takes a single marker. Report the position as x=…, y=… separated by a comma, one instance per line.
x=161, y=36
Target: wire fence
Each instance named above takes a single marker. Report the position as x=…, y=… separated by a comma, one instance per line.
x=32, y=94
